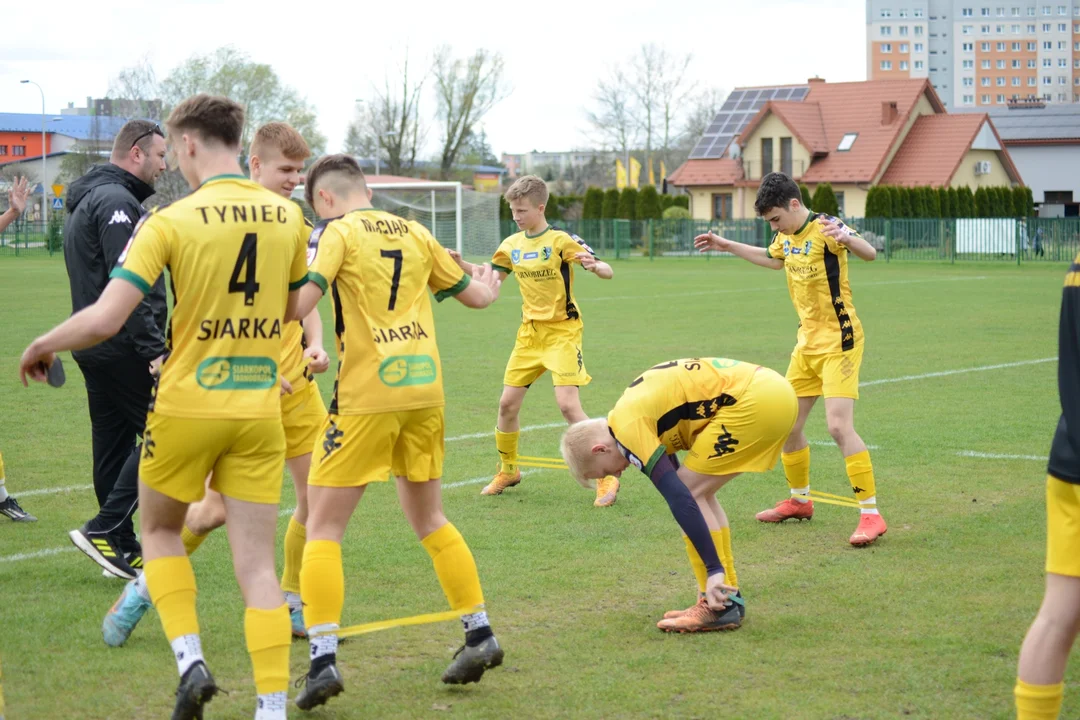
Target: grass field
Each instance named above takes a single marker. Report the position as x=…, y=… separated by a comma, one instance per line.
x=925, y=624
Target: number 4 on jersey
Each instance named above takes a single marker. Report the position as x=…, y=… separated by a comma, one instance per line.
x=246, y=259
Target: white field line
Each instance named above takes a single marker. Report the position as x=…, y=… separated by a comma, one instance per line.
x=491, y=433
x=830, y=443
x=53, y=491
x=998, y=456
x=961, y=371
x=772, y=288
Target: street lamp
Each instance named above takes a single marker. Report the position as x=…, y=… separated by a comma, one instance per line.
x=44, y=166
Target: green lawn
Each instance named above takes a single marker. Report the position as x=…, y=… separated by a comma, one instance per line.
x=925, y=624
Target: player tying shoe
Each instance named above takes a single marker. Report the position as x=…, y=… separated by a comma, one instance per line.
x=276, y=159
x=549, y=338
x=234, y=250
x=731, y=417
x=813, y=251
x=387, y=412
x=1040, y=688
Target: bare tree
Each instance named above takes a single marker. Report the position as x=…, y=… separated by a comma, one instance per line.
x=702, y=112
x=390, y=123
x=673, y=90
x=612, y=117
x=467, y=89
x=136, y=91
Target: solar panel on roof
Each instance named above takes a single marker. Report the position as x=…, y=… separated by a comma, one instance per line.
x=735, y=114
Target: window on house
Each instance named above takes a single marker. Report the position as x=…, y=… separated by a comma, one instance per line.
x=886, y=65
x=886, y=47
x=902, y=13
x=1016, y=64
x=886, y=31
x=722, y=206
x=1046, y=9
x=767, y=155
x=903, y=29
x=886, y=13
x=969, y=47
x=785, y=156
x=918, y=47
x=1016, y=12
x=969, y=99
x=903, y=65
x=18, y=150
x=965, y=12
x=918, y=64
x=1063, y=27
x=1015, y=29
x=918, y=28
x=985, y=47
x=968, y=82
x=1001, y=82
x=1016, y=82
x=1001, y=12
x=985, y=12
x=968, y=65
x=846, y=142
x=3, y=149
x=1046, y=27
x=1031, y=63
x=903, y=47
x=1062, y=10
x=919, y=12
x=1000, y=64
x=1016, y=47
x=984, y=81
x=1001, y=99
x=1031, y=29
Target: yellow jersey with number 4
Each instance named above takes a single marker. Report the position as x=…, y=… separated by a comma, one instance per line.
x=544, y=268
x=234, y=251
x=378, y=268
x=817, y=276
x=665, y=408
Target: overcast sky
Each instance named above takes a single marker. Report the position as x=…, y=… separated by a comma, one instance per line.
x=332, y=51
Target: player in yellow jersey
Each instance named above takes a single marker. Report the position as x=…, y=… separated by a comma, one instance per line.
x=9, y=506
x=386, y=416
x=731, y=417
x=813, y=250
x=549, y=339
x=276, y=159
x=1040, y=688
x=236, y=254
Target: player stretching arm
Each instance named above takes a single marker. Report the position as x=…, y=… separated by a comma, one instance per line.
x=386, y=416
x=732, y=417
x=813, y=251
x=550, y=336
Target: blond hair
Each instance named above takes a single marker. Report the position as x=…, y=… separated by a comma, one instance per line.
x=282, y=137
x=341, y=171
x=213, y=118
x=528, y=187
x=576, y=448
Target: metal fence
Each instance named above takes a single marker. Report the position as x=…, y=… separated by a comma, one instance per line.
x=1013, y=240
x=937, y=240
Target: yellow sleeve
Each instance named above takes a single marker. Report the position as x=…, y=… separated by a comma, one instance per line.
x=330, y=247
x=501, y=259
x=636, y=439
x=776, y=248
x=447, y=279
x=298, y=276
x=146, y=255
x=570, y=245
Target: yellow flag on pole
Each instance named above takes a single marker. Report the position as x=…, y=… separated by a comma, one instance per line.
x=635, y=171
x=663, y=172
x=652, y=177
x=620, y=174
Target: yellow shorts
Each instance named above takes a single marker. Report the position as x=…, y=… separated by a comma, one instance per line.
x=247, y=457
x=554, y=346
x=832, y=375
x=1062, y=527
x=302, y=414
x=749, y=435
x=358, y=449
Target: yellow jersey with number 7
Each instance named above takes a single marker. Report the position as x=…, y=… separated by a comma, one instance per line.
x=379, y=268
x=234, y=251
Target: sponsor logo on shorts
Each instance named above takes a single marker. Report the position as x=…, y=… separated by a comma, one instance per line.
x=333, y=439
x=725, y=444
x=236, y=373
x=403, y=370
x=148, y=446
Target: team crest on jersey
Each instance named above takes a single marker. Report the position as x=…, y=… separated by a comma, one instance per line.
x=790, y=249
x=515, y=256
x=546, y=252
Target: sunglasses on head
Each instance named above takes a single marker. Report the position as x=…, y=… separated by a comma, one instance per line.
x=152, y=131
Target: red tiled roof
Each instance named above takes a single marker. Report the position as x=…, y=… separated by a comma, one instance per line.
x=935, y=147
x=721, y=171
x=856, y=107
x=802, y=118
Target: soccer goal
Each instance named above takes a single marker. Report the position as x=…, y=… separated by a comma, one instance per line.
x=465, y=220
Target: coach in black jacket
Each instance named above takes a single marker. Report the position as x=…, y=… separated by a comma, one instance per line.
x=103, y=207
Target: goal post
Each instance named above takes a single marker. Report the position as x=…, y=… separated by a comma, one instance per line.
x=462, y=219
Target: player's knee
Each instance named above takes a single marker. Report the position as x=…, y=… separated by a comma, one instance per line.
x=204, y=519
x=570, y=409
x=509, y=406
x=839, y=428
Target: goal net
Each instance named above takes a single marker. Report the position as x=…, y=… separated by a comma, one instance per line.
x=465, y=220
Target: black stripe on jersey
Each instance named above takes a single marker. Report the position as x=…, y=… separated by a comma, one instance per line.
x=571, y=309
x=168, y=325
x=698, y=410
x=339, y=330
x=832, y=273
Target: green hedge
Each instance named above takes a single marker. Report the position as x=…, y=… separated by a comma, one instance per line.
x=891, y=201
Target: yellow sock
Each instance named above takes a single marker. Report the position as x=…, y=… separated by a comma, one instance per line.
x=1038, y=702
x=1, y=467
x=454, y=566
x=191, y=540
x=269, y=635
x=861, y=475
x=696, y=564
x=722, y=539
x=295, y=537
x=507, y=445
x=322, y=583
x=797, y=471
x=171, y=583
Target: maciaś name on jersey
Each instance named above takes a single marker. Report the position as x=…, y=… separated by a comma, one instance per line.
x=242, y=328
